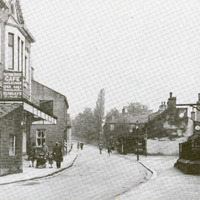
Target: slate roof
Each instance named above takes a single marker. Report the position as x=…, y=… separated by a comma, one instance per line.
x=154, y=115
x=132, y=119
x=7, y=108
x=3, y=4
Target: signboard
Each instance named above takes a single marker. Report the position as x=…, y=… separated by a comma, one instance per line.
x=12, y=85
x=197, y=127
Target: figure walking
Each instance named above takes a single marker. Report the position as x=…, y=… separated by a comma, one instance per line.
x=45, y=151
x=81, y=144
x=57, y=152
x=100, y=148
x=78, y=145
x=109, y=150
x=50, y=159
x=32, y=155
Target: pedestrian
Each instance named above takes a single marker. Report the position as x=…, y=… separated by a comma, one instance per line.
x=32, y=154
x=78, y=145
x=45, y=151
x=71, y=146
x=81, y=144
x=57, y=153
x=50, y=159
x=100, y=148
x=109, y=150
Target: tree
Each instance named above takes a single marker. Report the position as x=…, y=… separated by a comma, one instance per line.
x=89, y=123
x=112, y=113
x=84, y=124
x=137, y=108
x=99, y=110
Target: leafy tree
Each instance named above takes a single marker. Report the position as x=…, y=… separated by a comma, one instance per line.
x=89, y=123
x=112, y=113
x=84, y=124
x=137, y=108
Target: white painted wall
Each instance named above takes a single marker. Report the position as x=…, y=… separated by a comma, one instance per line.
x=164, y=147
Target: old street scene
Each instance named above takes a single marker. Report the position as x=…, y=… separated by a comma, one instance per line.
x=99, y=100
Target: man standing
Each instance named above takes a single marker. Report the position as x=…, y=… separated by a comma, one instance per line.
x=100, y=148
x=45, y=151
x=57, y=153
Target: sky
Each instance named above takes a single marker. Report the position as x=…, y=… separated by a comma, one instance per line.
x=137, y=50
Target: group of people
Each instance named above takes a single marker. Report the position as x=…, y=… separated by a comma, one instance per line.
x=42, y=155
x=80, y=145
x=101, y=148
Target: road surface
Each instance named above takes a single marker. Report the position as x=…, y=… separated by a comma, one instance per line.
x=92, y=177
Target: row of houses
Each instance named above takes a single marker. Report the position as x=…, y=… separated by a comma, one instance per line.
x=30, y=112
x=172, y=123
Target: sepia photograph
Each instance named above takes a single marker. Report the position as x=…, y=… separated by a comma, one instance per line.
x=99, y=100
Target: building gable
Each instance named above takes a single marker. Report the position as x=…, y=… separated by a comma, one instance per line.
x=16, y=11
x=12, y=21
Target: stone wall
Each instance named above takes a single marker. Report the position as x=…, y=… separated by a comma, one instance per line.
x=54, y=133
x=10, y=124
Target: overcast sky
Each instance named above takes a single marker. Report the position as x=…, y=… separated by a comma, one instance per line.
x=138, y=50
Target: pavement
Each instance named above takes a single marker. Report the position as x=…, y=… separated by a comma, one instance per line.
x=167, y=182
x=32, y=173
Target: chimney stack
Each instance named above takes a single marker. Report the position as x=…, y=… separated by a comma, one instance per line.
x=193, y=115
x=171, y=101
x=162, y=107
x=123, y=111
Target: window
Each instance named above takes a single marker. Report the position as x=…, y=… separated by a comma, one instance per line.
x=25, y=70
x=12, y=145
x=112, y=127
x=40, y=138
x=131, y=127
x=18, y=54
x=22, y=52
x=10, y=51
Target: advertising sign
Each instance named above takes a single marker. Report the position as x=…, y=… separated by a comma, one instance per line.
x=196, y=127
x=12, y=85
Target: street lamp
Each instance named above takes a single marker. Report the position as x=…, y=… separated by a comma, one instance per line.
x=137, y=131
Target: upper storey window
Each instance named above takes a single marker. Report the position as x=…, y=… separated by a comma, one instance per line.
x=22, y=54
x=10, y=51
x=18, y=54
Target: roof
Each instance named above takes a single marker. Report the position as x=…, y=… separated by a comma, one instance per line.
x=65, y=99
x=141, y=119
x=7, y=108
x=3, y=4
x=156, y=114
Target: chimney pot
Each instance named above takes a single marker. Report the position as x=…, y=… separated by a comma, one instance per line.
x=199, y=97
x=193, y=115
x=170, y=94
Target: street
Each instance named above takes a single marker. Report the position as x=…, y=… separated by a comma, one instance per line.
x=170, y=183
x=93, y=176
